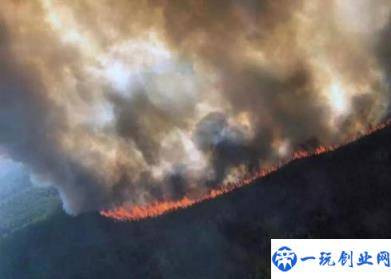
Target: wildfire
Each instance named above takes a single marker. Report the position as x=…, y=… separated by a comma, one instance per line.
x=132, y=213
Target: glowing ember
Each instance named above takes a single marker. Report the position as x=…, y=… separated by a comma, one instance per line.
x=132, y=213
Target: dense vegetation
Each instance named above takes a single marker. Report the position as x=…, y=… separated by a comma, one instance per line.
x=25, y=206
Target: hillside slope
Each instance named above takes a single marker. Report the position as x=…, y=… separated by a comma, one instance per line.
x=345, y=193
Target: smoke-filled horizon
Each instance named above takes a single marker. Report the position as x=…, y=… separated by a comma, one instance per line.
x=132, y=102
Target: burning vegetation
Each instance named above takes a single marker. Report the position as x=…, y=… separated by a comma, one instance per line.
x=133, y=213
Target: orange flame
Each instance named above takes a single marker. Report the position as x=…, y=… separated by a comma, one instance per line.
x=132, y=213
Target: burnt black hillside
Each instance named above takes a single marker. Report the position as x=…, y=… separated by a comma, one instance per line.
x=345, y=193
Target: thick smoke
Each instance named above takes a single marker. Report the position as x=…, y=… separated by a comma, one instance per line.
x=139, y=101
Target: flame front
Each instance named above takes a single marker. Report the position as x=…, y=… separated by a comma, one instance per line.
x=133, y=213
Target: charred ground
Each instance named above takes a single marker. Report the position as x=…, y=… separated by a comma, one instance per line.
x=344, y=193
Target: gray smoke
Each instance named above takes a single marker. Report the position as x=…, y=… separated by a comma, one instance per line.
x=143, y=101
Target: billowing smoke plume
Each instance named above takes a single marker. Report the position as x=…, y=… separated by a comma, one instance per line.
x=140, y=101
